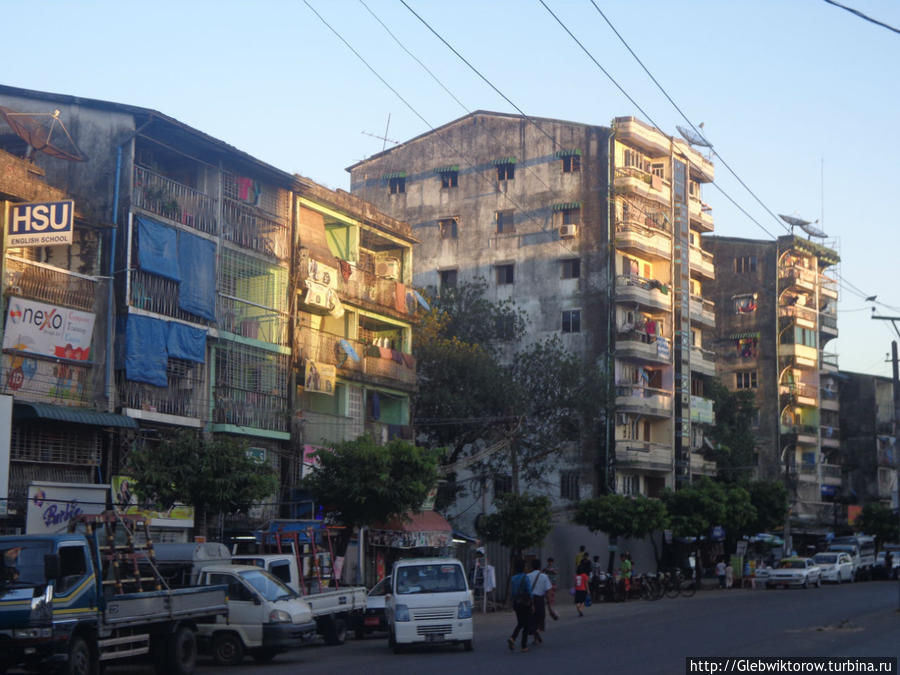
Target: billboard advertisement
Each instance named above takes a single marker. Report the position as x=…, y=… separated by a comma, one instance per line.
x=125, y=500
x=320, y=377
x=51, y=506
x=48, y=330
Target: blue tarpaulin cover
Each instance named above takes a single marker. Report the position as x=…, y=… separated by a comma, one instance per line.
x=146, y=355
x=197, y=263
x=157, y=248
x=186, y=342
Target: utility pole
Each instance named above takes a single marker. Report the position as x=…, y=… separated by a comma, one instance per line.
x=895, y=373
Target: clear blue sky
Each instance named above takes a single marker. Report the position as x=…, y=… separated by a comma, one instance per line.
x=799, y=97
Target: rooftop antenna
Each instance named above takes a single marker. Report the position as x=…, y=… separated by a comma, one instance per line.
x=693, y=137
x=37, y=130
x=805, y=225
x=384, y=138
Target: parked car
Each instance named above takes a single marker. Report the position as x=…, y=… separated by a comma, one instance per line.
x=795, y=572
x=835, y=566
x=880, y=570
x=374, y=618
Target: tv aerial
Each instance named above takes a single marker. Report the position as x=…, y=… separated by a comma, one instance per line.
x=693, y=137
x=37, y=130
x=807, y=226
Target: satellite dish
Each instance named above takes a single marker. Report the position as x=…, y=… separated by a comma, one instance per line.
x=805, y=225
x=37, y=129
x=693, y=137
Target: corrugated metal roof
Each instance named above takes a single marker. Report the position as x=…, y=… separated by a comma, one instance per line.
x=62, y=413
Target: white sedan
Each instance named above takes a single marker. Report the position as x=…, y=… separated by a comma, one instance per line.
x=835, y=566
x=795, y=572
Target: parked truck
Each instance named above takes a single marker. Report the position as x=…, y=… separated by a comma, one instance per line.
x=335, y=610
x=72, y=601
x=327, y=613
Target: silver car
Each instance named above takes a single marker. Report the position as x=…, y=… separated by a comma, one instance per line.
x=795, y=572
x=835, y=567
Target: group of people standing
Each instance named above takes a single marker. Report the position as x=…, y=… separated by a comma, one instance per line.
x=533, y=594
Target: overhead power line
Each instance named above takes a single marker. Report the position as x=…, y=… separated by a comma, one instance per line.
x=862, y=16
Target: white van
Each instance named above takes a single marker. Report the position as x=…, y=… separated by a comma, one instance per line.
x=429, y=602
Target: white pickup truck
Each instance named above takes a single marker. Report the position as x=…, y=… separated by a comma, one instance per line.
x=332, y=609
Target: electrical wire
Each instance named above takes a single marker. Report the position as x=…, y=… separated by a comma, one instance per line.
x=863, y=16
x=721, y=160
x=685, y=118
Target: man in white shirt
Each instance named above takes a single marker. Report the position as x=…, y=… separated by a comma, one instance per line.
x=540, y=585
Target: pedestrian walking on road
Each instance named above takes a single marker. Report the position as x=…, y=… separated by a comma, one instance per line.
x=553, y=575
x=581, y=555
x=720, y=572
x=582, y=580
x=523, y=605
x=540, y=585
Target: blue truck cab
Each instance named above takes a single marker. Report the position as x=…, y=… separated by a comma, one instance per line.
x=64, y=606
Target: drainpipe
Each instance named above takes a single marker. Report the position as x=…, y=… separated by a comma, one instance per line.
x=112, y=272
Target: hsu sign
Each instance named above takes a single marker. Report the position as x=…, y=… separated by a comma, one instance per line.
x=40, y=223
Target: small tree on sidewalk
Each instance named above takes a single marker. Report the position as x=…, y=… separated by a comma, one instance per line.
x=213, y=475
x=622, y=516
x=520, y=522
x=361, y=483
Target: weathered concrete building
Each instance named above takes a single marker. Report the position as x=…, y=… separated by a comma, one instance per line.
x=869, y=448
x=219, y=315
x=595, y=232
x=776, y=309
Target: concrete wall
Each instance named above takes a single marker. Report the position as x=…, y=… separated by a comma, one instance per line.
x=727, y=284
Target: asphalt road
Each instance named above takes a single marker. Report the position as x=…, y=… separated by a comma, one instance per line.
x=641, y=637
x=633, y=638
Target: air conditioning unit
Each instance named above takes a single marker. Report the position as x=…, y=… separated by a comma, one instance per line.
x=621, y=419
x=387, y=268
x=568, y=231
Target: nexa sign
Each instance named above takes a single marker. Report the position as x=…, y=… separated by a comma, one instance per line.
x=40, y=223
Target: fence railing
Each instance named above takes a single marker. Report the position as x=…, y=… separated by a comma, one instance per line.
x=173, y=200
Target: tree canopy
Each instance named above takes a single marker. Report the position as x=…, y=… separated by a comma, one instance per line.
x=704, y=504
x=362, y=483
x=520, y=522
x=732, y=434
x=622, y=516
x=212, y=475
x=880, y=521
x=478, y=386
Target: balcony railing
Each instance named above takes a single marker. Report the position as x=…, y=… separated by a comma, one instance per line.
x=796, y=274
x=391, y=369
x=256, y=230
x=798, y=312
x=185, y=395
x=253, y=321
x=829, y=361
x=37, y=281
x=319, y=428
x=173, y=200
x=251, y=409
x=642, y=454
x=158, y=294
x=828, y=286
x=647, y=291
x=799, y=390
x=644, y=399
x=326, y=348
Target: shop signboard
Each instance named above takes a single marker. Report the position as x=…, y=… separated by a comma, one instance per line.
x=51, y=506
x=40, y=224
x=48, y=330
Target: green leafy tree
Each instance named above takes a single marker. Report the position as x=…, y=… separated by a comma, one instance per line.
x=704, y=504
x=732, y=434
x=880, y=521
x=212, y=475
x=520, y=522
x=362, y=483
x=622, y=516
x=770, y=500
x=478, y=389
